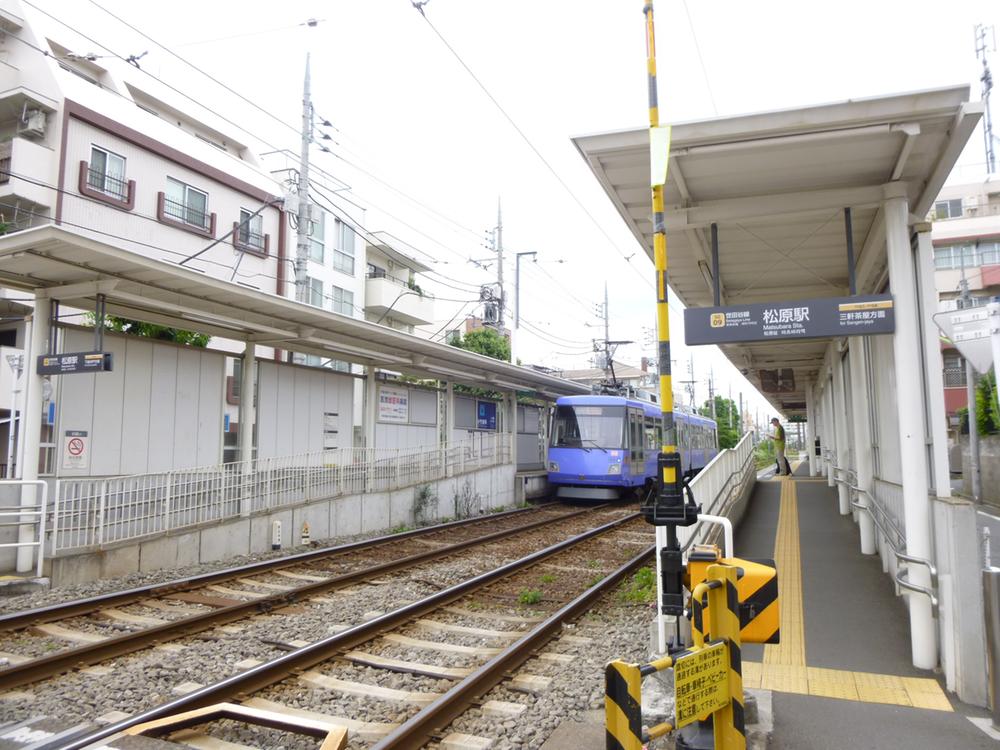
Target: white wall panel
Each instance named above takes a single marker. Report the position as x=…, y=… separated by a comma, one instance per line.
x=135, y=421
x=211, y=398
x=160, y=408
x=292, y=402
x=162, y=420
x=109, y=391
x=185, y=450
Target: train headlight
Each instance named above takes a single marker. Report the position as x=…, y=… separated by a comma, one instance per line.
x=553, y=466
x=615, y=469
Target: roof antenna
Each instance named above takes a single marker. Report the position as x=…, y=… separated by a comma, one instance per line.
x=982, y=47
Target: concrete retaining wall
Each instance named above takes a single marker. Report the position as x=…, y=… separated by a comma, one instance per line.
x=466, y=494
x=989, y=467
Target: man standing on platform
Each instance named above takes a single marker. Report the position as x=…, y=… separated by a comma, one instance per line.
x=778, y=436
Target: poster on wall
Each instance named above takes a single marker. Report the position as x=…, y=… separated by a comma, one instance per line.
x=486, y=415
x=76, y=450
x=393, y=405
x=330, y=429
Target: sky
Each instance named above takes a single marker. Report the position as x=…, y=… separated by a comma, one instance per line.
x=428, y=155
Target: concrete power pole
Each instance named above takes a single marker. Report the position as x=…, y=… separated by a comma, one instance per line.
x=304, y=214
x=970, y=390
x=711, y=392
x=503, y=297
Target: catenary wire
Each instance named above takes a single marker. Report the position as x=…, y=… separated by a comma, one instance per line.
x=534, y=149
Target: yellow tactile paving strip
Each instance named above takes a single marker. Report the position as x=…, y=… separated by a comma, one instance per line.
x=791, y=650
x=866, y=687
x=784, y=667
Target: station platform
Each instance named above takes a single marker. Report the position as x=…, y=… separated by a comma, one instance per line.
x=842, y=674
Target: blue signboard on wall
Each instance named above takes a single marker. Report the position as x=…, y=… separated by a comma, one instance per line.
x=486, y=415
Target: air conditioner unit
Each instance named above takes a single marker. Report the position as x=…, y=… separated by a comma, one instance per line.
x=32, y=124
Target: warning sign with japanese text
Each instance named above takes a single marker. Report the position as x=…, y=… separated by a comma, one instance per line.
x=701, y=683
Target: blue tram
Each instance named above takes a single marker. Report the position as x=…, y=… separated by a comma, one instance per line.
x=603, y=447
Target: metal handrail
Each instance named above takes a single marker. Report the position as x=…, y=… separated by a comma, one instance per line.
x=727, y=488
x=901, y=582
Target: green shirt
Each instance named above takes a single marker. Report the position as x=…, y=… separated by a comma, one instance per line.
x=779, y=436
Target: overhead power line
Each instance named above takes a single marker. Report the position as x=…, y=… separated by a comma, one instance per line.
x=531, y=145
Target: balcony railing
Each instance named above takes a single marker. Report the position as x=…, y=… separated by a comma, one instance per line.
x=116, y=187
x=5, y=152
x=954, y=377
x=107, y=188
x=184, y=216
x=183, y=212
x=248, y=241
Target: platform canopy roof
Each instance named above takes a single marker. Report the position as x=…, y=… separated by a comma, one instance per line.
x=64, y=265
x=776, y=185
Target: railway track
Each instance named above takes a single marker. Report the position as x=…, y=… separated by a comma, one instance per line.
x=411, y=671
x=41, y=643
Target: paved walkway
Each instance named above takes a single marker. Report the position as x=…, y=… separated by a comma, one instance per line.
x=841, y=676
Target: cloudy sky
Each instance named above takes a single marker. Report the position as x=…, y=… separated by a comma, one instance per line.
x=427, y=153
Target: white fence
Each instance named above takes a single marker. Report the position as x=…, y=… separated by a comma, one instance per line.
x=98, y=511
x=717, y=488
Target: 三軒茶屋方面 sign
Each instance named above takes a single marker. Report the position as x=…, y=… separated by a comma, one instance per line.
x=798, y=319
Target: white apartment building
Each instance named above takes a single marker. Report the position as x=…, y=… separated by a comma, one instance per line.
x=393, y=295
x=966, y=237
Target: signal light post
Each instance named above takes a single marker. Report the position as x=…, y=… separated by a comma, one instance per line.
x=668, y=506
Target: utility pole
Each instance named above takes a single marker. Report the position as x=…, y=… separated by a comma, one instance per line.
x=304, y=214
x=503, y=297
x=982, y=47
x=711, y=392
x=743, y=419
x=965, y=301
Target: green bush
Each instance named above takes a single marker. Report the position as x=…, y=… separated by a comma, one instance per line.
x=642, y=588
x=530, y=596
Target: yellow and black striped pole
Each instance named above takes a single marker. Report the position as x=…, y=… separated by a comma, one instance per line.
x=666, y=507
x=724, y=606
x=623, y=706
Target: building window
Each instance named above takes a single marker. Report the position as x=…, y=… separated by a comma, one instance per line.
x=984, y=253
x=954, y=369
x=248, y=233
x=317, y=239
x=106, y=173
x=315, y=292
x=343, y=255
x=343, y=301
x=950, y=209
x=186, y=204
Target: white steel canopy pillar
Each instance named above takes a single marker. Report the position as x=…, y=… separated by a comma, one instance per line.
x=370, y=409
x=840, y=406
x=811, y=431
x=31, y=423
x=933, y=364
x=860, y=407
x=830, y=427
x=910, y=419
x=248, y=410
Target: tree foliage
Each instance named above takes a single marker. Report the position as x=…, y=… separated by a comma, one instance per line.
x=485, y=341
x=153, y=331
x=727, y=418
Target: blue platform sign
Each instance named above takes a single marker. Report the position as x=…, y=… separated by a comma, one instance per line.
x=486, y=415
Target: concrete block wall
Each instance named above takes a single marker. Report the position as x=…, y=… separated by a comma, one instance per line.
x=342, y=516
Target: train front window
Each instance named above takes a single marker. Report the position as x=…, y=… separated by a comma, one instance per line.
x=588, y=427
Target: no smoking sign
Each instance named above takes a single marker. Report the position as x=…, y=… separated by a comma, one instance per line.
x=75, y=450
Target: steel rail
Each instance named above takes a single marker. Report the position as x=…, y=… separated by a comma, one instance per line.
x=420, y=728
x=264, y=675
x=92, y=653
x=18, y=620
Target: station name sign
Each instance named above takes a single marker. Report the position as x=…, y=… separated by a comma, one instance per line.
x=860, y=315
x=72, y=363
